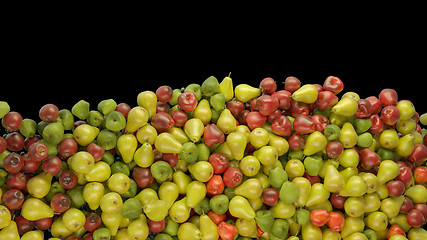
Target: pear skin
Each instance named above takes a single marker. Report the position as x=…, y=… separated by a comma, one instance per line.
x=316, y=142
x=346, y=107
x=333, y=181
x=245, y=92
x=127, y=145
x=226, y=122
x=318, y=194
x=239, y=207
x=226, y=88
x=250, y=189
x=307, y=94
x=387, y=170
x=348, y=136
x=34, y=209
x=167, y=143
x=137, y=118
x=354, y=187
x=236, y=142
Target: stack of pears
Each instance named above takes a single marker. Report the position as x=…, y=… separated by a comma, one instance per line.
x=214, y=161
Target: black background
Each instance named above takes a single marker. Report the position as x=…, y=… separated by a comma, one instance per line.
x=28, y=86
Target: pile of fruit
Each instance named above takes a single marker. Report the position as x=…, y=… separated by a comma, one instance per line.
x=214, y=161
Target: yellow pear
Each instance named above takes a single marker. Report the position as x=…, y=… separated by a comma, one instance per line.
x=99, y=173
x=236, y=142
x=226, y=88
x=346, y=107
x=307, y=94
x=226, y=122
x=316, y=142
x=127, y=144
x=348, y=136
x=318, y=194
x=167, y=143
x=144, y=156
x=203, y=111
x=39, y=185
x=333, y=180
x=85, y=134
x=138, y=228
x=208, y=228
x=137, y=118
x=34, y=209
x=245, y=92
x=194, y=129
x=148, y=100
x=10, y=231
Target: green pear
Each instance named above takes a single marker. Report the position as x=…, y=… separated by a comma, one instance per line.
x=264, y=219
x=196, y=192
x=85, y=134
x=210, y=86
x=315, y=142
x=4, y=108
x=365, y=140
x=239, y=207
x=387, y=170
x=53, y=133
x=333, y=181
x=236, y=142
x=245, y=92
x=226, y=122
x=354, y=187
x=250, y=189
x=106, y=139
x=307, y=94
x=34, y=209
x=167, y=143
x=81, y=109
x=115, y=121
x=95, y=118
x=346, y=107
x=107, y=106
x=289, y=192
x=277, y=176
x=354, y=206
x=348, y=136
x=391, y=206
x=28, y=127
x=131, y=208
x=318, y=194
x=226, y=88
x=217, y=101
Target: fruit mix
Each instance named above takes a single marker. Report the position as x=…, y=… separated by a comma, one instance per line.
x=214, y=161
